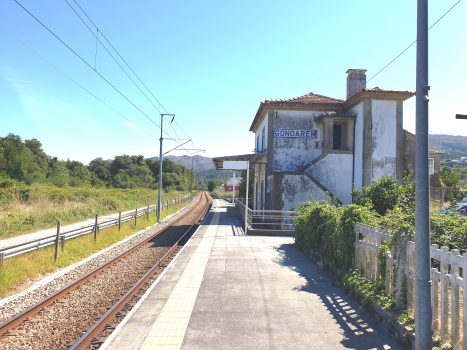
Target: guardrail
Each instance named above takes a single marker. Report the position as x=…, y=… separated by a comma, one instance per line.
x=281, y=219
x=44, y=242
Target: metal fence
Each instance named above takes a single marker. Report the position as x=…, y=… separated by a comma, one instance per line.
x=44, y=242
x=276, y=219
x=447, y=281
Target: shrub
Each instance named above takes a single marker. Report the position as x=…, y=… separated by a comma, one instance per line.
x=329, y=229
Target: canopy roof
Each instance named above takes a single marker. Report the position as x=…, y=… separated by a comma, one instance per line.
x=255, y=158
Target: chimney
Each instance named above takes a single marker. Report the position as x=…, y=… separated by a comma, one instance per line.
x=356, y=81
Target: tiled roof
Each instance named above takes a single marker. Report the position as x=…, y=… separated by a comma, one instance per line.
x=310, y=99
x=436, y=152
x=315, y=100
x=378, y=91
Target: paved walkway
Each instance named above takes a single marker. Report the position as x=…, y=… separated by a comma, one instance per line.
x=230, y=291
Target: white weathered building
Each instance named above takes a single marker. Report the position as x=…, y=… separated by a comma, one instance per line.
x=313, y=144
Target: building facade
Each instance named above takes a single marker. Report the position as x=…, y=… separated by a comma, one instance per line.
x=230, y=183
x=314, y=145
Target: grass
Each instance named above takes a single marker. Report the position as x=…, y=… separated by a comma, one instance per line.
x=20, y=270
x=44, y=205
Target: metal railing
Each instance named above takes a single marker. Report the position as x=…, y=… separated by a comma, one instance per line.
x=44, y=242
x=277, y=219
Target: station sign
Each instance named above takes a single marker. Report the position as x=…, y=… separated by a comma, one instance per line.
x=296, y=133
x=235, y=165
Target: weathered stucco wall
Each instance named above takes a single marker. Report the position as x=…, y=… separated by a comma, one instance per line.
x=292, y=154
x=334, y=172
x=296, y=189
x=264, y=124
x=383, y=139
x=358, y=110
x=268, y=199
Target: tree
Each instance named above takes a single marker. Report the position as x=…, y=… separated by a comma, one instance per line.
x=211, y=185
x=101, y=169
x=449, y=177
x=242, y=186
x=59, y=175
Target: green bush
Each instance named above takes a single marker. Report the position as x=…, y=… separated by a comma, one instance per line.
x=384, y=194
x=329, y=229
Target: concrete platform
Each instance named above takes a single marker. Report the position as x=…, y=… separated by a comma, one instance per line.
x=230, y=291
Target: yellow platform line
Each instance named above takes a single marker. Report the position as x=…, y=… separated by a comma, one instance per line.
x=169, y=329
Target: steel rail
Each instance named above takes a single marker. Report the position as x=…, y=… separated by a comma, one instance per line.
x=44, y=303
x=93, y=333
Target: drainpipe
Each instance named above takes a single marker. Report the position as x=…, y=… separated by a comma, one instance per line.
x=353, y=155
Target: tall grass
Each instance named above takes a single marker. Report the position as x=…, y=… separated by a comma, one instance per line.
x=44, y=205
x=36, y=264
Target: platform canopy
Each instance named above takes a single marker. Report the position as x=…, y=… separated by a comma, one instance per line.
x=252, y=158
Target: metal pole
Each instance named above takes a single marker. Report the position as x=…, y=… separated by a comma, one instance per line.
x=159, y=202
x=191, y=187
x=120, y=221
x=136, y=215
x=233, y=189
x=95, y=228
x=57, y=241
x=246, y=200
x=423, y=312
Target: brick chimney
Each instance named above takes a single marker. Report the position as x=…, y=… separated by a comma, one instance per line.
x=356, y=81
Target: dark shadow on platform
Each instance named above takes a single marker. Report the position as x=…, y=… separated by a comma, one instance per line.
x=337, y=302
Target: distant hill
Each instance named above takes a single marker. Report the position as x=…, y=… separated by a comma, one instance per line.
x=204, y=168
x=454, y=146
x=199, y=163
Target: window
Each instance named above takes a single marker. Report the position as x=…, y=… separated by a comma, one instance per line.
x=257, y=144
x=431, y=165
x=263, y=138
x=337, y=136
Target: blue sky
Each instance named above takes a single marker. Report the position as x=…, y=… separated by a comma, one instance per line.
x=211, y=63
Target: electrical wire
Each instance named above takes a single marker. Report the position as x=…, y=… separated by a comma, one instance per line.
x=160, y=105
x=82, y=59
x=408, y=47
x=82, y=87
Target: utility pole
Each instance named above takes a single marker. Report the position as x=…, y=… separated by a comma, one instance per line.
x=159, y=201
x=191, y=186
x=423, y=312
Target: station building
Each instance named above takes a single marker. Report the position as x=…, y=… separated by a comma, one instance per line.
x=230, y=184
x=313, y=144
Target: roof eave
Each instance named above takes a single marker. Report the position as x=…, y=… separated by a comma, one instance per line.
x=254, y=124
x=377, y=95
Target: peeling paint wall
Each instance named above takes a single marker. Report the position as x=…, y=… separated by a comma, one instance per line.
x=383, y=139
x=292, y=154
x=335, y=173
x=259, y=133
x=268, y=194
x=358, y=110
x=296, y=189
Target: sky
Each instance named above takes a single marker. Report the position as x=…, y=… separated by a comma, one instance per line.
x=210, y=63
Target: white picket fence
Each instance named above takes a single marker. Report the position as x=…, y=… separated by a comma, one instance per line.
x=449, y=285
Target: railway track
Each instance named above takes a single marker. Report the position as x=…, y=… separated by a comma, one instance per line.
x=83, y=313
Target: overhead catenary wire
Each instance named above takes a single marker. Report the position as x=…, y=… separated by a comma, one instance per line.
x=74, y=81
x=82, y=59
x=116, y=51
x=408, y=47
x=121, y=57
